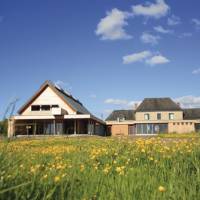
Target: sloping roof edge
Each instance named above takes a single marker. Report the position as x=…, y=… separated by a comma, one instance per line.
x=158, y=104
x=39, y=91
x=127, y=114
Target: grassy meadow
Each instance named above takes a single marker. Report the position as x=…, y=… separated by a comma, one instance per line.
x=100, y=168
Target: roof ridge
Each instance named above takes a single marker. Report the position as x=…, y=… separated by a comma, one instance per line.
x=157, y=98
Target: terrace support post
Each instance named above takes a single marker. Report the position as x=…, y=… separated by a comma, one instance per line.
x=34, y=132
x=43, y=128
x=89, y=127
x=54, y=125
x=94, y=127
x=78, y=129
x=74, y=127
x=11, y=127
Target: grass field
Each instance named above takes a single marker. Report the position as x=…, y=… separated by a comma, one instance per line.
x=100, y=168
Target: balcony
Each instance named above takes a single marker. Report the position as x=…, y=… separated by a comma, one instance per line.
x=56, y=111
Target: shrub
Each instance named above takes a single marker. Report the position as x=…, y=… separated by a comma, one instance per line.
x=3, y=127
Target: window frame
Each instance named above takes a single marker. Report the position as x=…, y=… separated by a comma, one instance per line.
x=171, y=118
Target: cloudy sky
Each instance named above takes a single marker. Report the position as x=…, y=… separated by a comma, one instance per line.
x=108, y=53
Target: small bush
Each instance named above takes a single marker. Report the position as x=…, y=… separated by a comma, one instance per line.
x=3, y=127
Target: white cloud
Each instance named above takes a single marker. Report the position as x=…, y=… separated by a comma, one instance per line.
x=149, y=38
x=111, y=27
x=123, y=103
x=93, y=96
x=133, y=104
x=196, y=22
x=184, y=35
x=189, y=101
x=160, y=29
x=146, y=56
x=156, y=10
x=108, y=111
x=116, y=101
x=135, y=57
x=157, y=59
x=173, y=20
x=196, y=71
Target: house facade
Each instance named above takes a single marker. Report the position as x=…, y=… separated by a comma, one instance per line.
x=52, y=111
x=154, y=116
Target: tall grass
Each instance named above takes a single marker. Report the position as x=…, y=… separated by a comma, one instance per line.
x=91, y=168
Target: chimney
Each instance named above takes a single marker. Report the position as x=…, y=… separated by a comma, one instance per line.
x=135, y=106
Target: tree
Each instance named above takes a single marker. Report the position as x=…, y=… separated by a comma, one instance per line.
x=3, y=127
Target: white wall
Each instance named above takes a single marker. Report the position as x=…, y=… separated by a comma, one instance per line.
x=48, y=97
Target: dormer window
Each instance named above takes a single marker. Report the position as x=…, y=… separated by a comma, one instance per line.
x=45, y=107
x=121, y=118
x=146, y=116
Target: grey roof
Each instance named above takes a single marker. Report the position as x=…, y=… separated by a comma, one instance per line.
x=69, y=99
x=158, y=104
x=127, y=114
x=191, y=113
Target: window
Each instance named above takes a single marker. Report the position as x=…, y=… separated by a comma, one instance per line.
x=158, y=116
x=35, y=108
x=121, y=118
x=45, y=107
x=182, y=123
x=186, y=123
x=146, y=116
x=171, y=116
x=174, y=124
x=190, y=123
x=178, y=123
x=55, y=106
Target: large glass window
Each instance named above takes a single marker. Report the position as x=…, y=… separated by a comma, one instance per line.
x=171, y=116
x=151, y=128
x=146, y=116
x=48, y=128
x=158, y=116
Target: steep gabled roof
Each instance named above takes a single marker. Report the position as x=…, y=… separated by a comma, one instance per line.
x=191, y=113
x=158, y=104
x=127, y=114
x=76, y=105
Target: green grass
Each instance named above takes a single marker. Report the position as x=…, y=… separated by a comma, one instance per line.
x=100, y=168
x=176, y=135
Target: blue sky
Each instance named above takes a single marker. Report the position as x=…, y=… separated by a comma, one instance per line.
x=109, y=54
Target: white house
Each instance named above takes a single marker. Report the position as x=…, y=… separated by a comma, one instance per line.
x=52, y=111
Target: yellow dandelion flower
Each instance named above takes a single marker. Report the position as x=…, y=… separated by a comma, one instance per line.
x=56, y=179
x=143, y=150
x=82, y=167
x=45, y=176
x=161, y=189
